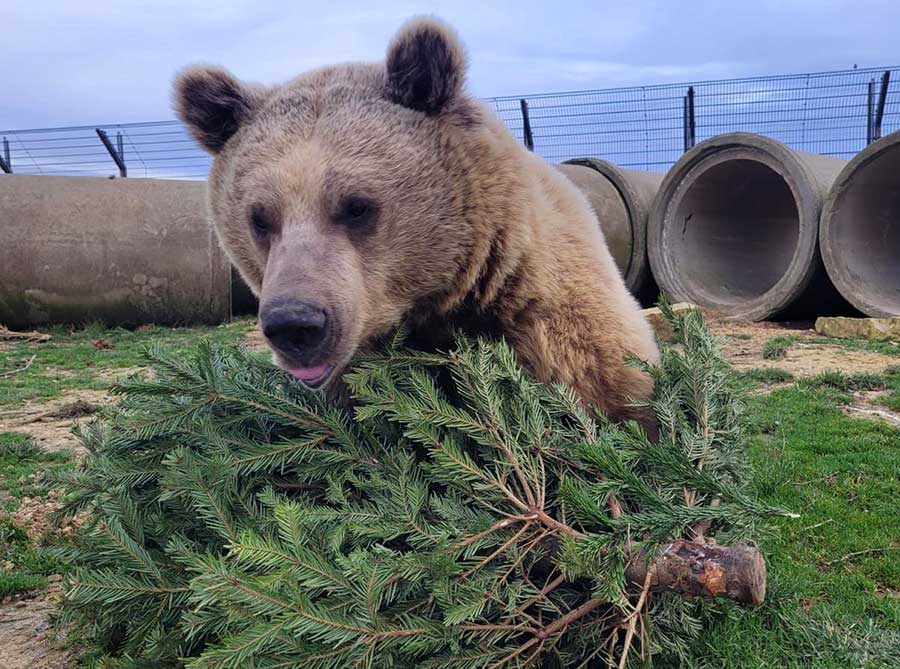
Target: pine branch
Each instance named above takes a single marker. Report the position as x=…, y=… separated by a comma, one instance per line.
x=462, y=516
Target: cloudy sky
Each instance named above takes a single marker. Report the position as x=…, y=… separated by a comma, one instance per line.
x=100, y=61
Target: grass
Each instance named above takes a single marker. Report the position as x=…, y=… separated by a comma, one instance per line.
x=92, y=357
x=891, y=401
x=844, y=382
x=892, y=384
x=891, y=348
x=23, y=566
x=19, y=461
x=776, y=348
x=14, y=582
x=834, y=592
x=74, y=359
x=767, y=375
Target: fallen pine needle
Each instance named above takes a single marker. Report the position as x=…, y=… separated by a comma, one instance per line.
x=856, y=553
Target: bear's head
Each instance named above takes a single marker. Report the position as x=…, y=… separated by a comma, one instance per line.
x=339, y=195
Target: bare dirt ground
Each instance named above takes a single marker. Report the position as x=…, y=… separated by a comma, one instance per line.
x=26, y=637
x=50, y=424
x=809, y=356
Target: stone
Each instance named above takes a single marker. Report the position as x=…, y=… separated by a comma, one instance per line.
x=878, y=329
x=659, y=323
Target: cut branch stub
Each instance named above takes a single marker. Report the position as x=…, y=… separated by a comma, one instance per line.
x=705, y=570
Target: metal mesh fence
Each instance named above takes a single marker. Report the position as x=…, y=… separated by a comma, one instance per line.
x=648, y=127
x=641, y=127
x=158, y=149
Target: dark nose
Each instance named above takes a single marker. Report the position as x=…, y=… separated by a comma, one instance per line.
x=297, y=330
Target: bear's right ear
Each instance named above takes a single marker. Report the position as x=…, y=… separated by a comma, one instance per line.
x=212, y=104
x=426, y=66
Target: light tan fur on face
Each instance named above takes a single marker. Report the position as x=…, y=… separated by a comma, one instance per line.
x=473, y=230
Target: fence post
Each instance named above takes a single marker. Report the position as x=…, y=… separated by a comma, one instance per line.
x=120, y=145
x=870, y=111
x=5, y=160
x=690, y=122
x=526, y=125
x=882, y=99
x=118, y=156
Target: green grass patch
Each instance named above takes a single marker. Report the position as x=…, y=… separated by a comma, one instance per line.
x=892, y=383
x=23, y=565
x=17, y=447
x=776, y=348
x=88, y=358
x=891, y=348
x=19, y=460
x=14, y=581
x=845, y=382
x=835, y=571
x=85, y=358
x=767, y=375
x=891, y=401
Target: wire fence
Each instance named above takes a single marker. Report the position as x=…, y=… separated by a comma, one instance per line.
x=641, y=127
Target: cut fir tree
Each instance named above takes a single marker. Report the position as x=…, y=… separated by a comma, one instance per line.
x=463, y=516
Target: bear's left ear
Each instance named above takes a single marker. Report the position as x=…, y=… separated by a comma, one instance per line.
x=213, y=104
x=426, y=66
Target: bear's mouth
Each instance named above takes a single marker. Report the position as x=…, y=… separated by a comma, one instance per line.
x=312, y=377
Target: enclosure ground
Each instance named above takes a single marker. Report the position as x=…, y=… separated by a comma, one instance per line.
x=825, y=419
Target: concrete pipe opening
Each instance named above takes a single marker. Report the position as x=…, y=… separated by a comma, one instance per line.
x=621, y=200
x=734, y=228
x=860, y=229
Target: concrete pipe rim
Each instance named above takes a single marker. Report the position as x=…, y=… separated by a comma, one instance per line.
x=638, y=262
x=800, y=183
x=838, y=269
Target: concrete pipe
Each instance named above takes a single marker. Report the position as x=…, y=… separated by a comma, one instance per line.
x=860, y=229
x=621, y=200
x=122, y=251
x=734, y=228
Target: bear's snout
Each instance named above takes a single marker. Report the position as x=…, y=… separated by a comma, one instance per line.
x=298, y=331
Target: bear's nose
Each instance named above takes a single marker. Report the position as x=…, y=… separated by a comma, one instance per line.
x=296, y=330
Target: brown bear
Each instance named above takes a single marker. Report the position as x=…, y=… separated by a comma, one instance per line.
x=360, y=196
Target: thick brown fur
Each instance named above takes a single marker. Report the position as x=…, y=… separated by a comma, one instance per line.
x=472, y=230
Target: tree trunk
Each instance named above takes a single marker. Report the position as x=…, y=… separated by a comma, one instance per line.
x=705, y=570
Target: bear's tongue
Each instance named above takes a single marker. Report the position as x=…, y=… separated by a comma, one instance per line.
x=308, y=374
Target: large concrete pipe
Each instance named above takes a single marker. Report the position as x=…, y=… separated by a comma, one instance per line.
x=860, y=229
x=734, y=228
x=122, y=251
x=621, y=200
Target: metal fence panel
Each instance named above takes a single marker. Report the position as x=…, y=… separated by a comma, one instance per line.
x=640, y=127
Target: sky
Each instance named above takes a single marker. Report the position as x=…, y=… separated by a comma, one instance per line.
x=97, y=61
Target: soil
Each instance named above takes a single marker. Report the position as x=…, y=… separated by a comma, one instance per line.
x=50, y=423
x=807, y=357
x=27, y=637
x=254, y=340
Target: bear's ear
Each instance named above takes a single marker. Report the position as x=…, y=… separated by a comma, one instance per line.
x=426, y=66
x=212, y=104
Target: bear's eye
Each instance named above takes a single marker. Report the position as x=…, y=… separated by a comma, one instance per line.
x=357, y=211
x=260, y=225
